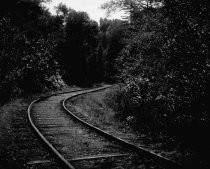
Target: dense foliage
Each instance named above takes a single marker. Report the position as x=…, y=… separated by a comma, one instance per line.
x=110, y=44
x=26, y=48
x=80, y=48
x=40, y=51
x=165, y=68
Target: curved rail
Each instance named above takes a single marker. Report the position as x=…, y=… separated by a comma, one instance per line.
x=64, y=161
x=163, y=160
x=50, y=146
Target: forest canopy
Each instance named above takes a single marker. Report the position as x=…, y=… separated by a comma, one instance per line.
x=41, y=51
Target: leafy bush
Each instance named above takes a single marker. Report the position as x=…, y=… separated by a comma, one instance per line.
x=26, y=64
x=165, y=68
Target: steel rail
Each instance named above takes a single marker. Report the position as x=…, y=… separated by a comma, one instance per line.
x=163, y=160
x=50, y=146
x=64, y=161
x=79, y=158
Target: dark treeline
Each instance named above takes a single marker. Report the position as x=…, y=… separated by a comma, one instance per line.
x=40, y=51
x=88, y=51
x=165, y=69
x=26, y=47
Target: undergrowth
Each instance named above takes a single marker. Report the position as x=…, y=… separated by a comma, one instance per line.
x=136, y=106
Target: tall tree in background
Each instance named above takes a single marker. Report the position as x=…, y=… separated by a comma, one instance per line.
x=79, y=48
x=111, y=43
x=129, y=6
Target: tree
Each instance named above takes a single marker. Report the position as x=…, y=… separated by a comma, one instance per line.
x=21, y=11
x=165, y=68
x=62, y=9
x=80, y=46
x=130, y=6
x=111, y=43
x=188, y=49
x=27, y=47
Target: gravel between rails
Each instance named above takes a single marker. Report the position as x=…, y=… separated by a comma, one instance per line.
x=74, y=140
x=18, y=143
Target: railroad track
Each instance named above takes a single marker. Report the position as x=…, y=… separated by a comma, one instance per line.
x=78, y=144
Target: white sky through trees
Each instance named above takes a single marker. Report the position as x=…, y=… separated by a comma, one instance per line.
x=92, y=7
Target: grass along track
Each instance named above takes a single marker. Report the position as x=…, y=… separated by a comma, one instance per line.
x=85, y=112
x=50, y=146
x=72, y=140
x=18, y=143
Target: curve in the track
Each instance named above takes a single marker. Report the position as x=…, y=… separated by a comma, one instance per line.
x=170, y=163
x=64, y=161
